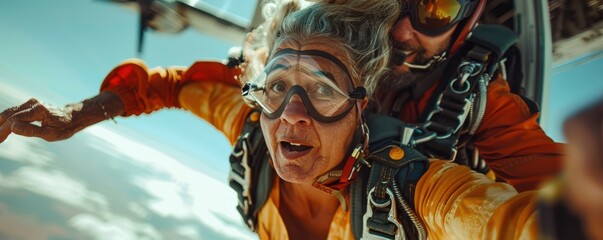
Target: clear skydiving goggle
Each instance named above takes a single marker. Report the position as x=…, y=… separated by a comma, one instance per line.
x=434, y=17
x=321, y=81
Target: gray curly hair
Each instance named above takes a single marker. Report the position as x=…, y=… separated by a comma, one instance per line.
x=361, y=26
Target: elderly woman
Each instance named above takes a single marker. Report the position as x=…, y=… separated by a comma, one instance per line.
x=311, y=99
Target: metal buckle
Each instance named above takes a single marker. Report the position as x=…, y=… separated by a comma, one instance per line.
x=422, y=135
x=358, y=155
x=463, y=81
x=453, y=154
x=469, y=69
x=391, y=217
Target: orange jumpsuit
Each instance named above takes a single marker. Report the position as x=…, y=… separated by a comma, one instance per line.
x=452, y=201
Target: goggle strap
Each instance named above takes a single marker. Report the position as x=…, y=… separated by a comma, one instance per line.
x=468, y=10
x=316, y=53
x=358, y=93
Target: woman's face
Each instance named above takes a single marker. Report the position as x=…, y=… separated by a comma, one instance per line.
x=301, y=147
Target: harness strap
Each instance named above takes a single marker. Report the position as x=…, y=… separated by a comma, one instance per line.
x=251, y=175
x=456, y=102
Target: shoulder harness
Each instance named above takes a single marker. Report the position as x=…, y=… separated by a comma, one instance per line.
x=458, y=110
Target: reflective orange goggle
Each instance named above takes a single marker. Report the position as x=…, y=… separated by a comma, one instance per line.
x=434, y=17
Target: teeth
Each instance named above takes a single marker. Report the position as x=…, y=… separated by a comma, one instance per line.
x=407, y=52
x=295, y=144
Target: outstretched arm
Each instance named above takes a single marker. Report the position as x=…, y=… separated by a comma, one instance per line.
x=36, y=119
x=129, y=89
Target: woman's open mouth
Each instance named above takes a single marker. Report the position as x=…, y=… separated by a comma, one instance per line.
x=291, y=150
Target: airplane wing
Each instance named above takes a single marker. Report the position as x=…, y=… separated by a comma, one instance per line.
x=173, y=16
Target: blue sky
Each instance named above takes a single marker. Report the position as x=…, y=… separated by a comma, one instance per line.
x=60, y=51
x=574, y=84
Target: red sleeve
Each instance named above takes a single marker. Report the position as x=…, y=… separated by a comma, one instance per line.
x=144, y=90
x=512, y=142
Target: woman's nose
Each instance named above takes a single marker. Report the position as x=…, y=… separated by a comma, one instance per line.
x=295, y=112
x=403, y=31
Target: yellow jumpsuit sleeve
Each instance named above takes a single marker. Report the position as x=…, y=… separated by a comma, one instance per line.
x=219, y=104
x=457, y=203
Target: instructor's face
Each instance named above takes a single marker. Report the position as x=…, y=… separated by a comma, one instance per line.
x=418, y=47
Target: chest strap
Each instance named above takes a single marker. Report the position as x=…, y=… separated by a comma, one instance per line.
x=382, y=197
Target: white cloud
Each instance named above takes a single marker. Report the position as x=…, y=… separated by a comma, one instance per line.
x=112, y=227
x=19, y=226
x=189, y=232
x=186, y=193
x=43, y=179
x=26, y=150
x=167, y=198
x=138, y=210
x=56, y=185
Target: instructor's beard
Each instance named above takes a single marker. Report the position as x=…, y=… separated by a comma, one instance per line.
x=391, y=86
x=397, y=81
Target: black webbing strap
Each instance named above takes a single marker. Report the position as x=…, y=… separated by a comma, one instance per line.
x=375, y=206
x=251, y=175
x=478, y=60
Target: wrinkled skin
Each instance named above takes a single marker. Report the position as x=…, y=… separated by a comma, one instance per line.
x=36, y=119
x=296, y=125
x=55, y=123
x=328, y=142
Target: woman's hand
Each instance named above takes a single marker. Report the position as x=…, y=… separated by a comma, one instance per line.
x=54, y=123
x=35, y=119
